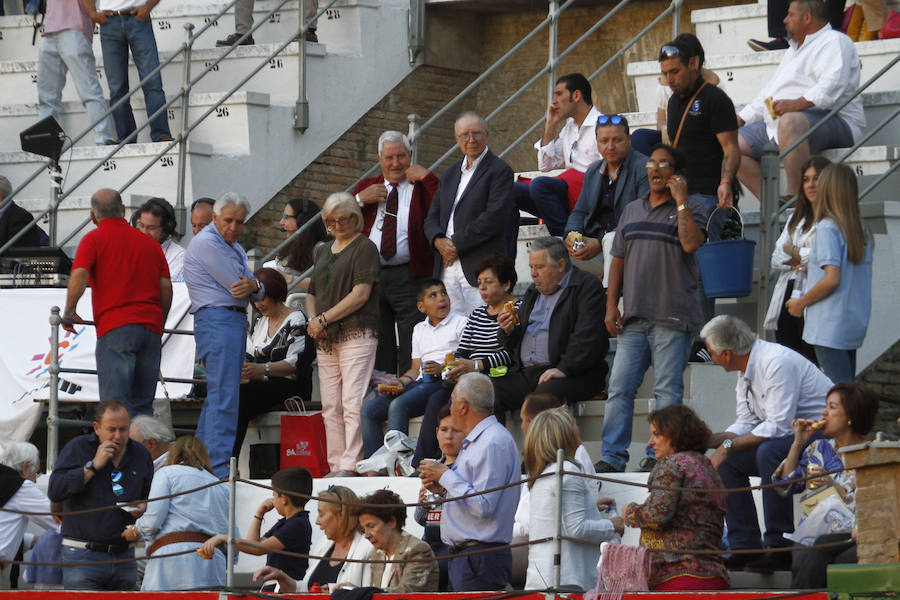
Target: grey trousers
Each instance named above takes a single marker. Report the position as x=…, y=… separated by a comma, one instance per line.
x=243, y=14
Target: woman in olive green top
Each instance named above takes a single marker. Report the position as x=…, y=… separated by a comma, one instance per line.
x=342, y=305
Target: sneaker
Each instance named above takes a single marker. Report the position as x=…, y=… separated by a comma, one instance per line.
x=775, y=44
x=769, y=563
x=646, y=465
x=699, y=353
x=232, y=39
x=602, y=466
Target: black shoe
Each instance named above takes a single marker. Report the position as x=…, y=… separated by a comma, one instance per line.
x=775, y=44
x=736, y=562
x=646, y=465
x=699, y=353
x=769, y=563
x=311, y=35
x=602, y=466
x=232, y=39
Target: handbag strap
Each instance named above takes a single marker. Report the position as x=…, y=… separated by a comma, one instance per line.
x=684, y=114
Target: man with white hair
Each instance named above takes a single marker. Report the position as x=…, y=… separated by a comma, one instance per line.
x=156, y=437
x=488, y=459
x=776, y=385
x=220, y=285
x=394, y=206
x=131, y=294
x=19, y=465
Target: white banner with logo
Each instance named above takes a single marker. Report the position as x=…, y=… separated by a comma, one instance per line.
x=25, y=355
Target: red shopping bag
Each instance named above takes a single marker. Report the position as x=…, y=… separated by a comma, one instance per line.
x=303, y=440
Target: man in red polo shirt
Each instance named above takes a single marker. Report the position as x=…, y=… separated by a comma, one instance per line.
x=131, y=294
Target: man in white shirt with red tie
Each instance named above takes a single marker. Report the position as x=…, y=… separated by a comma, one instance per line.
x=394, y=205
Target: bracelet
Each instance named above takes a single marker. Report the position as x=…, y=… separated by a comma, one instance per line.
x=257, y=517
x=322, y=319
x=726, y=182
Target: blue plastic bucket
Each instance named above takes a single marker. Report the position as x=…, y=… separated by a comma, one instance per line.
x=727, y=266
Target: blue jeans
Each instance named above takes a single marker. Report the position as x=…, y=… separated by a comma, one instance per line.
x=117, y=36
x=838, y=365
x=640, y=345
x=397, y=410
x=221, y=337
x=128, y=366
x=477, y=572
x=740, y=509
x=547, y=198
x=112, y=578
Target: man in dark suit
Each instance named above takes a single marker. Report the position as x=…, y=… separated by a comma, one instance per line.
x=394, y=206
x=468, y=220
x=14, y=218
x=559, y=345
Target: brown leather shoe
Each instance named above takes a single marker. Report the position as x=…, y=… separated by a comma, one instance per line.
x=232, y=39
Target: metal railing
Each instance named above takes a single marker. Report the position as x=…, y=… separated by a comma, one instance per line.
x=770, y=164
x=183, y=95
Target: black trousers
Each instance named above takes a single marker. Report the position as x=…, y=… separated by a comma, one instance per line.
x=510, y=390
x=258, y=397
x=790, y=329
x=777, y=11
x=397, y=303
x=809, y=567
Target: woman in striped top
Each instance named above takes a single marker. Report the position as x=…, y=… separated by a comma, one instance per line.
x=478, y=347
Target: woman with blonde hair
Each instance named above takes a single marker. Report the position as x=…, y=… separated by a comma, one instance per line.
x=183, y=522
x=550, y=430
x=342, y=308
x=838, y=298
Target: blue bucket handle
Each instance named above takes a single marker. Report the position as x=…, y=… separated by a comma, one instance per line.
x=735, y=209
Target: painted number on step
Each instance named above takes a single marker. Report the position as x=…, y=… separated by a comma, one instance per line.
x=34, y=78
x=333, y=14
x=275, y=18
x=170, y=114
x=99, y=72
x=222, y=112
x=109, y=165
x=96, y=30
x=1, y=36
x=859, y=171
x=164, y=25
x=167, y=161
x=729, y=75
x=211, y=68
x=215, y=22
x=276, y=63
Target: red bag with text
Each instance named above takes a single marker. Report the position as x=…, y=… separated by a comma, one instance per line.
x=303, y=440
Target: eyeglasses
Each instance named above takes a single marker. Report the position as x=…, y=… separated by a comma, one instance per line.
x=343, y=220
x=471, y=135
x=611, y=119
x=668, y=51
x=285, y=216
x=143, y=227
x=663, y=164
x=117, y=488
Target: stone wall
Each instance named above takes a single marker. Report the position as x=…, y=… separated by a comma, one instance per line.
x=884, y=376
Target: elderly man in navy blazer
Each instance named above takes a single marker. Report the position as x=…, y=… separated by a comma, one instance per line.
x=469, y=216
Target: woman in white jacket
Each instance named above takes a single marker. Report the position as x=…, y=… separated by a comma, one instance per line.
x=552, y=429
x=790, y=258
x=342, y=540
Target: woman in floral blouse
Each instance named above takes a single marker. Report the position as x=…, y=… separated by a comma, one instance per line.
x=675, y=521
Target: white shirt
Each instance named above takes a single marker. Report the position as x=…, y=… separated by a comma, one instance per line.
x=778, y=386
x=433, y=342
x=160, y=461
x=467, y=173
x=175, y=257
x=12, y=526
x=404, y=199
x=825, y=70
x=575, y=148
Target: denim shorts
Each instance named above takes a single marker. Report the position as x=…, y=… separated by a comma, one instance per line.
x=835, y=133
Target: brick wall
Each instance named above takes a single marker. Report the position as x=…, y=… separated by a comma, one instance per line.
x=884, y=376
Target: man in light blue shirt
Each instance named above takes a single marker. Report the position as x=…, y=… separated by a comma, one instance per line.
x=220, y=285
x=488, y=459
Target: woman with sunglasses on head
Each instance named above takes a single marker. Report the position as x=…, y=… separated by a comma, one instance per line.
x=342, y=304
x=297, y=257
x=837, y=301
x=183, y=522
x=791, y=258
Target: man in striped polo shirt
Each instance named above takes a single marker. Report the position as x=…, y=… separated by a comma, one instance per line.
x=655, y=272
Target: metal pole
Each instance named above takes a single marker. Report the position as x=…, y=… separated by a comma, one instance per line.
x=557, y=552
x=55, y=191
x=180, y=211
x=676, y=17
x=768, y=204
x=53, y=405
x=232, y=500
x=301, y=110
x=414, y=121
x=552, y=47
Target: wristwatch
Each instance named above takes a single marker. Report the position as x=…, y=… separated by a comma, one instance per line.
x=89, y=465
x=727, y=444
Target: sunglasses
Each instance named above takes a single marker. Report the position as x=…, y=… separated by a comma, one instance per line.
x=611, y=120
x=117, y=488
x=669, y=51
x=285, y=216
x=661, y=164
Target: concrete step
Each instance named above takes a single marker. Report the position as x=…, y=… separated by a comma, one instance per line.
x=339, y=25
x=743, y=72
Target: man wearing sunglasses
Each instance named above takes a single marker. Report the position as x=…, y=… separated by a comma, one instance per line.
x=104, y=468
x=575, y=149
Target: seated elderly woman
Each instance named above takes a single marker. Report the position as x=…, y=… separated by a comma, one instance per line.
x=828, y=503
x=294, y=260
x=676, y=520
x=19, y=466
x=278, y=364
x=183, y=522
x=552, y=429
